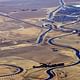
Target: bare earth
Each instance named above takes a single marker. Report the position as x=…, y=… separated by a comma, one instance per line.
x=18, y=47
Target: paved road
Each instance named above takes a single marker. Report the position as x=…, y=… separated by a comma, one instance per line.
x=6, y=15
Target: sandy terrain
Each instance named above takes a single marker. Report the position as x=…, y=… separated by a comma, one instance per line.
x=18, y=47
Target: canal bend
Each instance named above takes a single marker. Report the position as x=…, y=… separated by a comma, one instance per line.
x=51, y=41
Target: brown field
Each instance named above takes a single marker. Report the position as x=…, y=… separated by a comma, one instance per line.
x=18, y=47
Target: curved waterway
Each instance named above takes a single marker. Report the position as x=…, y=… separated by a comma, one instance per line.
x=51, y=41
x=41, y=37
x=51, y=74
x=17, y=70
